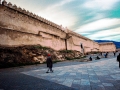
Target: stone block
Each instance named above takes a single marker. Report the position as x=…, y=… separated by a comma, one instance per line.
x=19, y=9
x=24, y=11
x=31, y=14
x=4, y=3
x=10, y=4
x=15, y=7
x=35, y=58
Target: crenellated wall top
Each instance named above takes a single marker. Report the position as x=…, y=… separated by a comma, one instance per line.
x=78, y=35
x=10, y=5
x=71, y=32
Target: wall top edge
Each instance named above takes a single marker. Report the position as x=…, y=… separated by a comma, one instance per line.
x=22, y=10
x=106, y=43
x=76, y=34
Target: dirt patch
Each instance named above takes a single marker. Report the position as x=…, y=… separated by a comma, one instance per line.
x=27, y=55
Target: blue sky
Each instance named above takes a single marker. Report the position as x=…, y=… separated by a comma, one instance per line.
x=95, y=19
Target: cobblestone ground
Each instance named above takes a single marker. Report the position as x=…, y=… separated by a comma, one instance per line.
x=103, y=74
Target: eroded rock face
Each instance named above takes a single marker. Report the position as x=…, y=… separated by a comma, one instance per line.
x=33, y=54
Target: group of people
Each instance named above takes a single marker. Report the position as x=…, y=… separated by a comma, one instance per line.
x=50, y=63
x=97, y=58
x=106, y=55
x=118, y=57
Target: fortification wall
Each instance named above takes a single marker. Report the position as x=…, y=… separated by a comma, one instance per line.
x=19, y=19
x=20, y=27
x=89, y=46
x=76, y=40
x=16, y=38
x=107, y=47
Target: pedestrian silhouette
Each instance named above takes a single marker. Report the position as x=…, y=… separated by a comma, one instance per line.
x=49, y=63
x=90, y=58
x=114, y=53
x=118, y=59
x=106, y=55
x=97, y=58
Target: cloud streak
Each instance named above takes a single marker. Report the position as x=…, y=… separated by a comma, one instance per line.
x=99, y=24
x=106, y=34
x=100, y=4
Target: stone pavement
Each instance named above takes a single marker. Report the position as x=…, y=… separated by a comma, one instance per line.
x=103, y=74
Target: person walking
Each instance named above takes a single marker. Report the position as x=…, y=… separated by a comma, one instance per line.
x=106, y=55
x=90, y=58
x=101, y=53
x=97, y=58
x=114, y=53
x=49, y=63
x=118, y=59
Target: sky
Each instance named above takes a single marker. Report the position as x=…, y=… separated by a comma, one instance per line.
x=94, y=19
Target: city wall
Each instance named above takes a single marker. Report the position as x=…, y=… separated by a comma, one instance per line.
x=76, y=40
x=107, y=47
x=20, y=27
x=31, y=28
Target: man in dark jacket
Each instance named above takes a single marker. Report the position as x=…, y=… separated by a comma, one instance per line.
x=118, y=59
x=49, y=63
x=114, y=53
x=90, y=58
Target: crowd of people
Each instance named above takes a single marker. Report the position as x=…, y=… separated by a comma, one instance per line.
x=105, y=55
x=50, y=63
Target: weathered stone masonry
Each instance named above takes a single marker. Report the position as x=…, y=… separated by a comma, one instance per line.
x=20, y=27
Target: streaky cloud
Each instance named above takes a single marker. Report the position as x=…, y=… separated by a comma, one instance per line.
x=100, y=4
x=108, y=34
x=99, y=24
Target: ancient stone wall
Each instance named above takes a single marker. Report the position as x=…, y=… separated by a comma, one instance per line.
x=76, y=40
x=107, y=47
x=20, y=27
x=16, y=38
x=15, y=18
x=91, y=46
x=28, y=25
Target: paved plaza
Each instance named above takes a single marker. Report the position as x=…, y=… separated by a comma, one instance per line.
x=103, y=74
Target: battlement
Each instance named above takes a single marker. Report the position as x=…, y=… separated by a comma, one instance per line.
x=22, y=27
x=78, y=35
x=19, y=9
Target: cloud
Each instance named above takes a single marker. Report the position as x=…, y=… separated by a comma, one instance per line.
x=100, y=4
x=99, y=24
x=116, y=38
x=109, y=34
x=61, y=3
